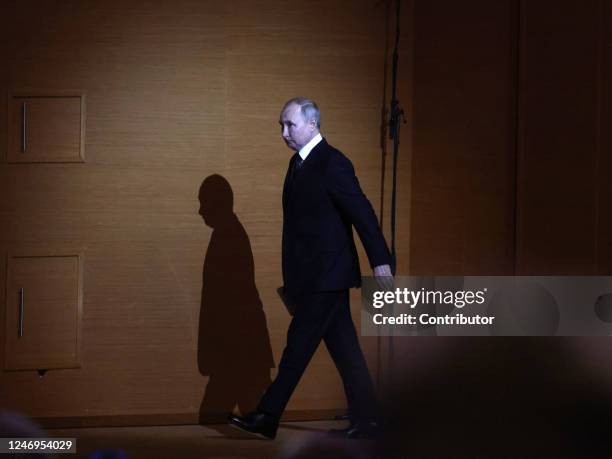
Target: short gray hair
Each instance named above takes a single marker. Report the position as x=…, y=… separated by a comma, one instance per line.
x=308, y=108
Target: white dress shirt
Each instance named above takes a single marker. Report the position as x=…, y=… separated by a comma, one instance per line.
x=309, y=146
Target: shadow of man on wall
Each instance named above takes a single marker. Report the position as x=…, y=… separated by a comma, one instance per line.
x=233, y=346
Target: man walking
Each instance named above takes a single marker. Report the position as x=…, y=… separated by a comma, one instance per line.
x=322, y=201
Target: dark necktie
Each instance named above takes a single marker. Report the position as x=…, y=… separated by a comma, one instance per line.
x=296, y=165
x=298, y=162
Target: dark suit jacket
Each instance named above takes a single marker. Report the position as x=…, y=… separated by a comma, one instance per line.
x=320, y=205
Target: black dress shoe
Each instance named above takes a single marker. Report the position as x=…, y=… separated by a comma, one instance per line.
x=257, y=422
x=358, y=430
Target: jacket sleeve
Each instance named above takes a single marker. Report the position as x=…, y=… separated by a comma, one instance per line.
x=344, y=190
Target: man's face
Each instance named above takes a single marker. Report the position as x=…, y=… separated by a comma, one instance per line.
x=296, y=131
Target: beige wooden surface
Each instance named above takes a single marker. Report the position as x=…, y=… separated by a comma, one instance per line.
x=50, y=130
x=49, y=287
x=177, y=92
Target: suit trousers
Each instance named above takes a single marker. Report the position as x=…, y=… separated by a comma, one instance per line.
x=323, y=316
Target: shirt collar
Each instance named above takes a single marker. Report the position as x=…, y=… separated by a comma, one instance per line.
x=309, y=146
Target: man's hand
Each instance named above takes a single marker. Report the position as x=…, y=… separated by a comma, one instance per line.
x=384, y=277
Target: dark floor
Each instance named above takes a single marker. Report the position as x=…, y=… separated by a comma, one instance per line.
x=218, y=442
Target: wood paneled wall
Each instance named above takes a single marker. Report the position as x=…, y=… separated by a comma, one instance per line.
x=178, y=91
x=511, y=138
x=511, y=148
x=464, y=138
x=564, y=199
x=502, y=169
